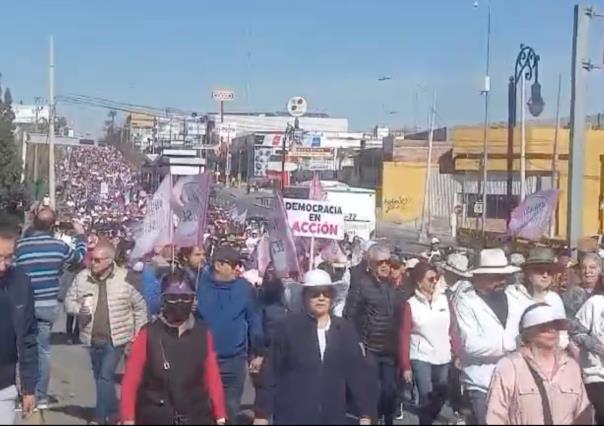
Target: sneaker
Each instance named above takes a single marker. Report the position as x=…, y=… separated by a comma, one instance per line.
x=42, y=404
x=458, y=419
x=400, y=414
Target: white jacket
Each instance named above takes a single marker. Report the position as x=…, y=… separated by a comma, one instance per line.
x=127, y=308
x=591, y=316
x=484, y=341
x=521, y=294
x=430, y=323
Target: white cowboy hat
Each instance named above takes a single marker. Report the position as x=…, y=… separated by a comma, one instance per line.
x=494, y=261
x=411, y=263
x=457, y=263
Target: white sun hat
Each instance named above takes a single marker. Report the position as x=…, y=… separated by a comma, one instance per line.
x=542, y=313
x=457, y=263
x=494, y=261
x=317, y=278
x=411, y=263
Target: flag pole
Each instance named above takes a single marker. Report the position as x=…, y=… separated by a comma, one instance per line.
x=312, y=254
x=171, y=228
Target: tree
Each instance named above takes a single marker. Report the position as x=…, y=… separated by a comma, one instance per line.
x=10, y=162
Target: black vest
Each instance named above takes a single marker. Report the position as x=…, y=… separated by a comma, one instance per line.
x=172, y=383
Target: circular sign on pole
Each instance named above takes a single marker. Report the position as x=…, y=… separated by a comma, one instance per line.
x=297, y=106
x=223, y=95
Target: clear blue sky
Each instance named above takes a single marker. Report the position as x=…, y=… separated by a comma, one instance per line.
x=172, y=53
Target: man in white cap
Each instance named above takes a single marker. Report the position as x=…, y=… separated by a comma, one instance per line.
x=488, y=325
x=456, y=274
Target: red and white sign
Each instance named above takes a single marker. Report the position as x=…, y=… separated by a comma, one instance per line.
x=319, y=219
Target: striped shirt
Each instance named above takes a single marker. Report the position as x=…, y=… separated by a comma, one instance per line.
x=43, y=257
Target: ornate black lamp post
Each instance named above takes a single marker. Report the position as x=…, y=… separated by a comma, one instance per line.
x=527, y=62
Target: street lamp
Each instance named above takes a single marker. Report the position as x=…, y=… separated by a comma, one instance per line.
x=526, y=68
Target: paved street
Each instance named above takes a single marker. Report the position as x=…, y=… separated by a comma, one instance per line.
x=71, y=383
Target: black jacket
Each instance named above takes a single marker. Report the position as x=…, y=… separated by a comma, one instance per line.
x=296, y=387
x=374, y=307
x=18, y=332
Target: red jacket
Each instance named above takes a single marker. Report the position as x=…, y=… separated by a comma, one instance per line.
x=134, y=374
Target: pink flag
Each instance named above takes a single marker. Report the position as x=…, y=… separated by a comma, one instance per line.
x=316, y=191
x=532, y=217
x=282, y=247
x=190, y=201
x=333, y=253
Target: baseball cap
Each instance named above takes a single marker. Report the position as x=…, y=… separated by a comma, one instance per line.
x=542, y=313
x=176, y=283
x=226, y=254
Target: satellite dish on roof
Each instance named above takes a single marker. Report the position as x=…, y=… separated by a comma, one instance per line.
x=297, y=106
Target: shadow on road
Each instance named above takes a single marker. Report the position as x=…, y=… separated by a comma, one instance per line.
x=84, y=413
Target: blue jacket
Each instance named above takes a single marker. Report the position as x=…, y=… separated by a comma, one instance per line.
x=150, y=290
x=18, y=332
x=230, y=310
x=296, y=387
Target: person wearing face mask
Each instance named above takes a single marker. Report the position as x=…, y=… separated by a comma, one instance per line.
x=487, y=319
x=172, y=374
x=315, y=365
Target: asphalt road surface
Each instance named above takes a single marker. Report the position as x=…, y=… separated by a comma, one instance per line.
x=72, y=385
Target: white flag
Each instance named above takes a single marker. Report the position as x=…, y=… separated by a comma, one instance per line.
x=157, y=223
x=190, y=201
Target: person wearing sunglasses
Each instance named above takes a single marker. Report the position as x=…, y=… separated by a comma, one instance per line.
x=487, y=316
x=538, y=272
x=373, y=305
x=314, y=362
x=227, y=303
x=172, y=374
x=427, y=341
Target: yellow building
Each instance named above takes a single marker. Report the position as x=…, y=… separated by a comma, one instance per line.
x=467, y=154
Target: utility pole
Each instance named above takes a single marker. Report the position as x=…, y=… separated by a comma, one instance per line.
x=51, y=126
x=554, y=221
x=485, y=147
x=425, y=229
x=576, y=161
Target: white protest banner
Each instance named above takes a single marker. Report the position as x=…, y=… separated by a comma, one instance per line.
x=531, y=218
x=157, y=223
x=319, y=219
x=190, y=202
